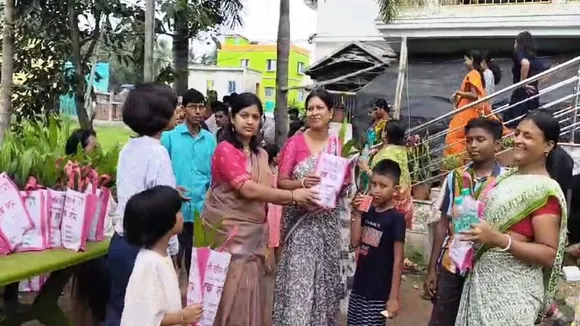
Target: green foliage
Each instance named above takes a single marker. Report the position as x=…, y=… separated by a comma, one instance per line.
x=192, y=17
x=205, y=235
x=39, y=151
x=43, y=44
x=507, y=142
x=389, y=9
x=348, y=149
x=419, y=157
x=452, y=162
x=36, y=151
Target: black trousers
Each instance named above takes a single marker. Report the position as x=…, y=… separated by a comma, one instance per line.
x=447, y=299
x=185, y=246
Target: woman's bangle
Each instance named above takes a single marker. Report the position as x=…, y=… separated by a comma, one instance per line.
x=292, y=200
x=509, y=245
x=182, y=318
x=302, y=182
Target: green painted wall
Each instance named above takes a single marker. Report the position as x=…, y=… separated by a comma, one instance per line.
x=237, y=49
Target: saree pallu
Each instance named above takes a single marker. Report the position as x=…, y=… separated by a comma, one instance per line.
x=245, y=293
x=403, y=198
x=501, y=289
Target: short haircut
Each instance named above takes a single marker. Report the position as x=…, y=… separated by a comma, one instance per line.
x=272, y=151
x=293, y=111
x=218, y=106
x=150, y=215
x=149, y=108
x=492, y=126
x=388, y=168
x=192, y=95
x=78, y=136
x=382, y=103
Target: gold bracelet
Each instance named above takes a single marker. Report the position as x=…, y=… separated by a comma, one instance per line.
x=292, y=194
x=182, y=318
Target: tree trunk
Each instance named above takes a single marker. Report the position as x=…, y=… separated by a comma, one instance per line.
x=79, y=80
x=7, y=68
x=282, y=54
x=180, y=56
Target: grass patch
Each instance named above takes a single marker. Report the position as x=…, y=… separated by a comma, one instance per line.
x=109, y=135
x=416, y=256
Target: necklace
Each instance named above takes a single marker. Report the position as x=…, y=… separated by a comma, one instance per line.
x=247, y=150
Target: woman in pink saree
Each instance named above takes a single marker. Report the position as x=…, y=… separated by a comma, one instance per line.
x=308, y=281
x=236, y=205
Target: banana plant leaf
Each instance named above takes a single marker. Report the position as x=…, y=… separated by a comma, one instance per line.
x=205, y=235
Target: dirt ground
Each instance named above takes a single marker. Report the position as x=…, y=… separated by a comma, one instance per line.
x=414, y=309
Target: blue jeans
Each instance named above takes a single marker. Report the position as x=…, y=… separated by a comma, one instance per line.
x=121, y=260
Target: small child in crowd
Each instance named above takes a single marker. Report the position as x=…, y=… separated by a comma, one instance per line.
x=153, y=297
x=274, y=211
x=379, y=235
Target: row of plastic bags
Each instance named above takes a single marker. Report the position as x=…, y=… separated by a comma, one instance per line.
x=40, y=219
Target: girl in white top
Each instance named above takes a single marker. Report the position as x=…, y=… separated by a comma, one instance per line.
x=148, y=110
x=153, y=297
x=492, y=74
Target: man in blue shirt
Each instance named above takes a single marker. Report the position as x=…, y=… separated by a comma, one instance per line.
x=191, y=148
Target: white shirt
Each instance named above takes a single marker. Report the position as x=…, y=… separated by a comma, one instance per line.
x=143, y=163
x=152, y=291
x=211, y=124
x=489, y=81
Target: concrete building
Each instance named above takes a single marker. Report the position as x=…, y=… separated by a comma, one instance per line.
x=224, y=80
x=238, y=51
x=448, y=26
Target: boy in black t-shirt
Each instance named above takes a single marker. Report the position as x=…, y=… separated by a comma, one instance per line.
x=380, y=235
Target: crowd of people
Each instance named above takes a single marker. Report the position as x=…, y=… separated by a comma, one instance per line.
x=169, y=172
x=209, y=158
x=480, y=81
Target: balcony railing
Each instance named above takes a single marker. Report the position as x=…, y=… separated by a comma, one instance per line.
x=565, y=109
x=488, y=2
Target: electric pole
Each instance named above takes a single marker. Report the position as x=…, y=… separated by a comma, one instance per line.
x=149, y=39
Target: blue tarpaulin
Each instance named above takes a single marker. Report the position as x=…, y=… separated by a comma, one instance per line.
x=100, y=85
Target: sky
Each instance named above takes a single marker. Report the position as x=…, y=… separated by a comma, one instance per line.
x=260, y=23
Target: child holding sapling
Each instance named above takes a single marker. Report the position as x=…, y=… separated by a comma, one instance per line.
x=153, y=297
x=379, y=234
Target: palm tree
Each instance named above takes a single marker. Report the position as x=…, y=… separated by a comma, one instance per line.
x=389, y=9
x=189, y=19
x=282, y=54
x=7, y=68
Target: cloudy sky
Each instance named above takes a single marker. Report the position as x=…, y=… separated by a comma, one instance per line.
x=261, y=23
x=261, y=20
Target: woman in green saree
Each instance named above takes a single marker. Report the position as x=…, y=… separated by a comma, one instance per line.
x=519, y=244
x=394, y=149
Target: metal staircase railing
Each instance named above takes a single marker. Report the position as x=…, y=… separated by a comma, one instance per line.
x=568, y=115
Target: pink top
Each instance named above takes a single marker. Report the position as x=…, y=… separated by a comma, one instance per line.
x=296, y=150
x=229, y=165
x=274, y=218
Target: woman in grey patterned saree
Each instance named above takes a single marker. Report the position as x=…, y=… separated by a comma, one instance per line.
x=519, y=246
x=308, y=289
